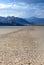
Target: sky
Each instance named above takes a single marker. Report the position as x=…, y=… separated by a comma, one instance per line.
x=22, y=8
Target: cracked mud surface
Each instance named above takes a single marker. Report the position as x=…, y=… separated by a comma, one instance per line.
x=22, y=47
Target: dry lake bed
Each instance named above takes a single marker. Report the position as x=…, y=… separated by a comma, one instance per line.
x=22, y=45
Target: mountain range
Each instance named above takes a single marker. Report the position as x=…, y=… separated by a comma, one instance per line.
x=36, y=21
x=16, y=21
x=13, y=21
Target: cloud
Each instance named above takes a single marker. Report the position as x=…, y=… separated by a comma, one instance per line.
x=21, y=9
x=28, y=1
x=11, y=9
x=25, y=1
x=20, y=6
x=14, y=6
x=3, y=6
x=39, y=10
x=39, y=13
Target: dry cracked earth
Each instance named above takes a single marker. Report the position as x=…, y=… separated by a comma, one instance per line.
x=22, y=47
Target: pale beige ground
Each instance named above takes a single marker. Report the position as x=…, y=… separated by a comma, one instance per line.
x=22, y=46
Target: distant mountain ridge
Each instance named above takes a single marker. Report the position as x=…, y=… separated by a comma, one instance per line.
x=36, y=21
x=16, y=21
x=13, y=21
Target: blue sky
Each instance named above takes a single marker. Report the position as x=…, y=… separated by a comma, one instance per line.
x=22, y=8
